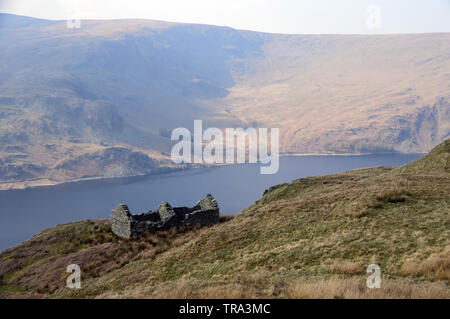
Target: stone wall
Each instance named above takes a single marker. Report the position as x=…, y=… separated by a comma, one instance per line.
x=124, y=224
x=121, y=221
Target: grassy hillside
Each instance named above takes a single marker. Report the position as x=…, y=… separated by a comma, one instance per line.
x=436, y=162
x=70, y=97
x=312, y=238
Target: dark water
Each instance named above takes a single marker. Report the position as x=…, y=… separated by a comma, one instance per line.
x=26, y=212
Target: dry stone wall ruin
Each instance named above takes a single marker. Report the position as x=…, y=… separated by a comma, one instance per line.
x=124, y=224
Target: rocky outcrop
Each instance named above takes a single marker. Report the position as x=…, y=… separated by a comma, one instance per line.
x=124, y=224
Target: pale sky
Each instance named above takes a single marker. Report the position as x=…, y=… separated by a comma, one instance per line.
x=277, y=16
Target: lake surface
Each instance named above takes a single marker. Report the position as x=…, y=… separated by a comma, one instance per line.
x=24, y=213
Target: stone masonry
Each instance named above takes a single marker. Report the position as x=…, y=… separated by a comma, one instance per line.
x=124, y=224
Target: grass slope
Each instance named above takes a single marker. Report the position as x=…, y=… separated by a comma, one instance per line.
x=435, y=162
x=310, y=238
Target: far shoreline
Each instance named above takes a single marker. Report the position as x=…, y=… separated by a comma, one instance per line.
x=43, y=183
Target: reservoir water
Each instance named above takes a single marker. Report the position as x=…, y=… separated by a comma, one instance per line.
x=24, y=213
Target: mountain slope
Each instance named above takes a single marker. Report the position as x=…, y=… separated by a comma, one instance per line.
x=68, y=93
x=313, y=237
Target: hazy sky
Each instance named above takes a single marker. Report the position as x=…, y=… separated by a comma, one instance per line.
x=281, y=16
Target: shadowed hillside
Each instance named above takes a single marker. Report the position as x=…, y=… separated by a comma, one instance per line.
x=312, y=238
x=68, y=94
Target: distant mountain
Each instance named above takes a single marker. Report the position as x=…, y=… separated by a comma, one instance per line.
x=77, y=93
x=312, y=238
